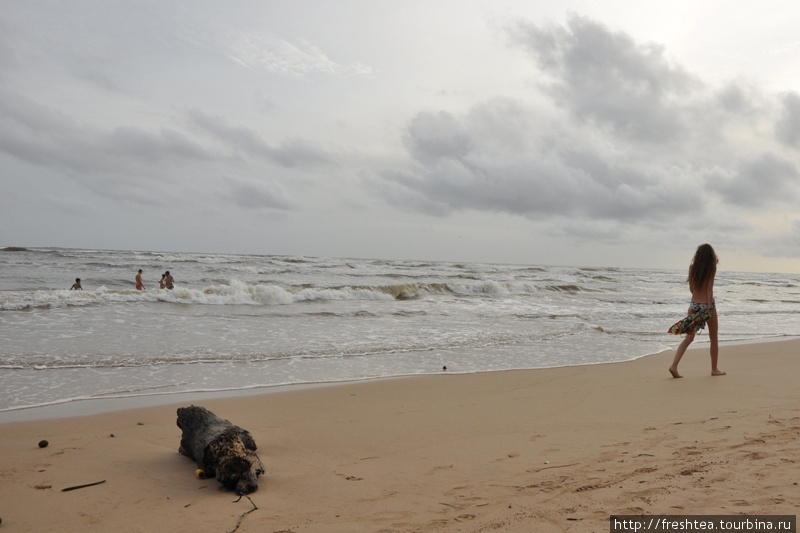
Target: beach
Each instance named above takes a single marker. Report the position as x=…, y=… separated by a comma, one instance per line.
x=553, y=449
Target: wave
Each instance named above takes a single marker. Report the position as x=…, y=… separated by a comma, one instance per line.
x=238, y=292
x=598, y=269
x=234, y=293
x=569, y=288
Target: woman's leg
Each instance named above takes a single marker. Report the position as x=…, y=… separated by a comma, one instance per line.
x=713, y=337
x=681, y=350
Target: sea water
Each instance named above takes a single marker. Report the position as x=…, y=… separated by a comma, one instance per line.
x=236, y=322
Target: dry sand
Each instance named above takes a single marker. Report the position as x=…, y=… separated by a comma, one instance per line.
x=542, y=450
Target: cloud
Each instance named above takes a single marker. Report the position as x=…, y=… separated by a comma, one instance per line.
x=787, y=127
x=501, y=157
x=250, y=194
x=260, y=50
x=130, y=164
x=785, y=244
x=166, y=146
x=45, y=137
x=607, y=78
x=628, y=140
x=563, y=133
x=433, y=136
x=767, y=180
x=256, y=50
x=290, y=153
x=7, y=55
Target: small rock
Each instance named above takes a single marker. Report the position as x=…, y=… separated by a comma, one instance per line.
x=43, y=444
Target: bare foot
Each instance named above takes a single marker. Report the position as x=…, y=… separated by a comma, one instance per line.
x=717, y=372
x=674, y=372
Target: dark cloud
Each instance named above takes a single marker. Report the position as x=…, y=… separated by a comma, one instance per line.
x=433, y=136
x=131, y=165
x=45, y=137
x=597, y=138
x=7, y=55
x=630, y=141
x=607, y=78
x=763, y=181
x=257, y=195
x=787, y=128
x=500, y=158
x=97, y=78
x=290, y=153
x=166, y=146
x=737, y=99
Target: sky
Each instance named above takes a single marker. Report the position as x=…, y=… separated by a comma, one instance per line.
x=586, y=133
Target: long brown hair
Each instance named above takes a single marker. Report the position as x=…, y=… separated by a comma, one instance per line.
x=703, y=266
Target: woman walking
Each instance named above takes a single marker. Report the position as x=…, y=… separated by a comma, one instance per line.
x=702, y=271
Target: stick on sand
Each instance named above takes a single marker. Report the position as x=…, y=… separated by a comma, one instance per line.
x=83, y=486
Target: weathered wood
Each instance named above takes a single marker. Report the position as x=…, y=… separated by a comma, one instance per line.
x=223, y=450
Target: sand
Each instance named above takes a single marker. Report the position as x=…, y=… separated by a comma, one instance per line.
x=537, y=450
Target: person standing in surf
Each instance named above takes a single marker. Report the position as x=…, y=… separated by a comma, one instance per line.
x=702, y=272
x=139, y=284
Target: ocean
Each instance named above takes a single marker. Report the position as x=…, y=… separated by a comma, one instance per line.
x=243, y=322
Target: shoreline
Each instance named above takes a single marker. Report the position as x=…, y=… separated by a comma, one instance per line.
x=553, y=449
x=94, y=406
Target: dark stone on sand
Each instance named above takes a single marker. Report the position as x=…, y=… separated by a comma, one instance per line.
x=43, y=444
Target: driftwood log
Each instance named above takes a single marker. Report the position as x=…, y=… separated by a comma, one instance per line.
x=221, y=450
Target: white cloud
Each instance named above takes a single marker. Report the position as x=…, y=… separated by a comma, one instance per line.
x=295, y=59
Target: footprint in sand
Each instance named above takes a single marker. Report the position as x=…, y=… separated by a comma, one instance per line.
x=350, y=478
x=439, y=468
x=508, y=456
x=756, y=456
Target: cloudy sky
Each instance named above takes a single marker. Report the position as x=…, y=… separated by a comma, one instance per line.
x=587, y=133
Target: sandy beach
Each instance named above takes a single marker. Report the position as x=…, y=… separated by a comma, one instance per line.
x=538, y=450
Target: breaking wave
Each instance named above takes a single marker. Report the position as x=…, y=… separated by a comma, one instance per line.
x=240, y=293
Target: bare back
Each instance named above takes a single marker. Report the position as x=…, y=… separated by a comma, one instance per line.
x=705, y=293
